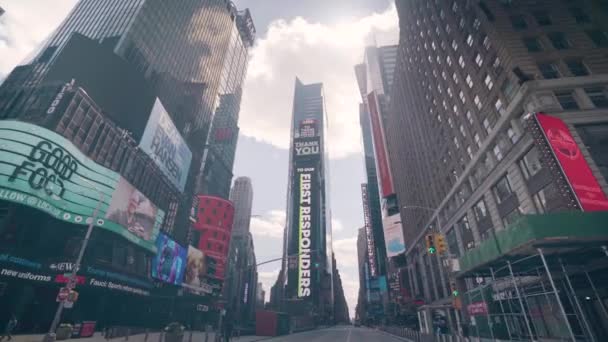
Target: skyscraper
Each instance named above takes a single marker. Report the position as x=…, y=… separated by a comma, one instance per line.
x=496, y=117
x=222, y=141
x=308, y=249
x=242, y=197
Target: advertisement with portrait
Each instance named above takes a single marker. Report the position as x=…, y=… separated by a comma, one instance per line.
x=134, y=211
x=43, y=170
x=393, y=235
x=570, y=159
x=169, y=264
x=165, y=145
x=196, y=270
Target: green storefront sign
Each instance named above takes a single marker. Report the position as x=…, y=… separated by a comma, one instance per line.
x=41, y=169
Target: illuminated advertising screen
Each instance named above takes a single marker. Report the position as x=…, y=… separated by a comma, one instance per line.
x=573, y=164
x=196, y=270
x=169, y=264
x=43, y=170
x=305, y=225
x=306, y=148
x=307, y=129
x=371, y=247
x=393, y=235
x=165, y=145
x=382, y=164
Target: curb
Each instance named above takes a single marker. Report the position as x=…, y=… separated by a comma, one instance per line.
x=394, y=336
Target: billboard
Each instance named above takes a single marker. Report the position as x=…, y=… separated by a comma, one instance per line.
x=43, y=170
x=384, y=172
x=165, y=145
x=196, y=270
x=306, y=223
x=170, y=261
x=393, y=235
x=575, y=168
x=371, y=248
x=306, y=147
x=307, y=129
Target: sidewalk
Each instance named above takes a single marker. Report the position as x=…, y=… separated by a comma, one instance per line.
x=197, y=336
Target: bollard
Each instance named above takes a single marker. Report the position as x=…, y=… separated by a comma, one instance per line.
x=146, y=336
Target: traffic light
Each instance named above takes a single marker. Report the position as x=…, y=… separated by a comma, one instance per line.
x=442, y=247
x=454, y=288
x=430, y=244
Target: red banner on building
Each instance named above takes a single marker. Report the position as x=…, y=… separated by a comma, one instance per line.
x=576, y=169
x=384, y=171
x=477, y=308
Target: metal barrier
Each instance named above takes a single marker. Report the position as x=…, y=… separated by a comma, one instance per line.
x=417, y=336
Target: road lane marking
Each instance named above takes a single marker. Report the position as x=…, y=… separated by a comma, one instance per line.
x=350, y=331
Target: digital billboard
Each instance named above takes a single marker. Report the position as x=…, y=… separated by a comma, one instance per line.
x=165, y=145
x=170, y=261
x=196, y=270
x=382, y=163
x=306, y=219
x=393, y=235
x=583, y=183
x=306, y=147
x=43, y=170
x=307, y=129
x=371, y=247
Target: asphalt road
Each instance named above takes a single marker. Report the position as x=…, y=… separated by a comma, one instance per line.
x=339, y=334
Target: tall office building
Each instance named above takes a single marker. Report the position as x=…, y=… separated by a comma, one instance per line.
x=242, y=197
x=308, y=246
x=498, y=126
x=222, y=141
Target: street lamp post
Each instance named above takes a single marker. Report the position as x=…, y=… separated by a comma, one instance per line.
x=50, y=336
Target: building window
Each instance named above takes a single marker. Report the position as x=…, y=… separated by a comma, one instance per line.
x=487, y=126
x=476, y=24
x=480, y=210
x=499, y=107
x=454, y=45
x=477, y=139
x=566, y=99
x=579, y=15
x=456, y=143
x=470, y=152
x=496, y=65
x=466, y=233
x=597, y=95
x=478, y=102
x=531, y=164
x=486, y=43
x=461, y=62
x=577, y=67
x=512, y=217
x=469, y=117
x=470, y=40
x=479, y=60
x=502, y=189
x=519, y=22
x=542, y=199
x=512, y=134
x=453, y=242
x=599, y=37
x=469, y=80
x=542, y=18
x=549, y=70
x=488, y=81
x=455, y=78
x=497, y=153
x=559, y=41
x=448, y=60
x=533, y=44
x=508, y=88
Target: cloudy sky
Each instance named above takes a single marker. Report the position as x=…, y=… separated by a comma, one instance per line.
x=316, y=40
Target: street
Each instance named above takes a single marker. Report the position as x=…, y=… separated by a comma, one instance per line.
x=339, y=334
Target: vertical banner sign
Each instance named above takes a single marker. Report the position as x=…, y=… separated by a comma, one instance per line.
x=371, y=247
x=583, y=183
x=384, y=171
x=307, y=190
x=393, y=235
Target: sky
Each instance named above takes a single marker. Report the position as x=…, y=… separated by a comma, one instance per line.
x=315, y=40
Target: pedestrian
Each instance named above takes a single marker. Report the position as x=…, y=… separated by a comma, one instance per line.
x=227, y=329
x=10, y=326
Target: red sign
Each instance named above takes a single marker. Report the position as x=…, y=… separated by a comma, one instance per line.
x=62, y=279
x=384, y=171
x=478, y=308
x=575, y=167
x=87, y=329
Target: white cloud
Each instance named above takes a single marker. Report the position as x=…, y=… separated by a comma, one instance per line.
x=336, y=225
x=346, y=252
x=269, y=225
x=315, y=53
x=24, y=27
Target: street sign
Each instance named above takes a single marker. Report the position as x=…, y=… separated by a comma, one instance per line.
x=63, y=294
